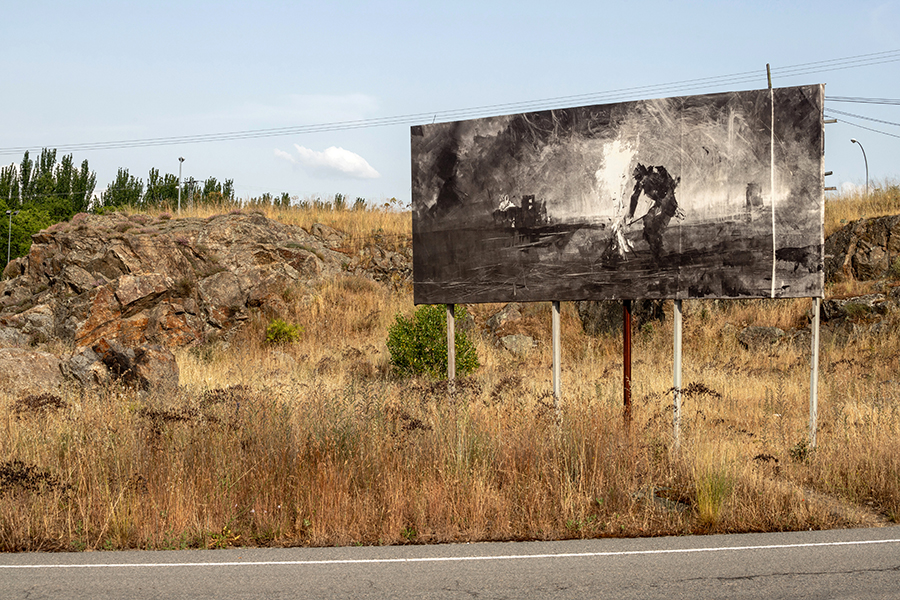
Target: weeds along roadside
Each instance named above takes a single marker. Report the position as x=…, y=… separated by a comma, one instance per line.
x=316, y=443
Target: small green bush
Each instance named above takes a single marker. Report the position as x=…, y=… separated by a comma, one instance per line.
x=282, y=332
x=419, y=344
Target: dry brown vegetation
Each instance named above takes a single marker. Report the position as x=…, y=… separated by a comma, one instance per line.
x=317, y=443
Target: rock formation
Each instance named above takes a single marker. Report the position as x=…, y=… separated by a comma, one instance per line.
x=174, y=282
x=866, y=249
x=135, y=286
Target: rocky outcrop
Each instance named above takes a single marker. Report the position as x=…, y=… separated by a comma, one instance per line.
x=605, y=317
x=864, y=250
x=141, y=281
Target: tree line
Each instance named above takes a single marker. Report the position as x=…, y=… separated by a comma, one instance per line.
x=40, y=192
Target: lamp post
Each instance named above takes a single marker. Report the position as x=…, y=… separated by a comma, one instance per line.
x=180, y=162
x=10, y=214
x=855, y=141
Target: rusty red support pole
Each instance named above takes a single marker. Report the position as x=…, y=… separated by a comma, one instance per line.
x=626, y=359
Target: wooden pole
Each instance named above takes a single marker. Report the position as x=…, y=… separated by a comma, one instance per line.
x=676, y=378
x=772, y=172
x=557, y=386
x=451, y=344
x=626, y=358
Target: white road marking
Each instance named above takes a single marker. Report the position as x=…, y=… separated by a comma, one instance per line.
x=364, y=561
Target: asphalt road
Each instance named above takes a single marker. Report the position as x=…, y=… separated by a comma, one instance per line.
x=855, y=563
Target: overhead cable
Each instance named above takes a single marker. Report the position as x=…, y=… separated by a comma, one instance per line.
x=669, y=88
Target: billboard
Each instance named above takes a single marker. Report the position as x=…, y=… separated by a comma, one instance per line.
x=710, y=196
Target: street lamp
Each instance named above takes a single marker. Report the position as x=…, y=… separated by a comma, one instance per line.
x=854, y=141
x=180, y=162
x=10, y=214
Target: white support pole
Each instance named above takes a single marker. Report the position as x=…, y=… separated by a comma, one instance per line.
x=556, y=358
x=451, y=344
x=676, y=378
x=814, y=375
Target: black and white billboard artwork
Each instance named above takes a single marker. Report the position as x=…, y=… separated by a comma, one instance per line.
x=690, y=197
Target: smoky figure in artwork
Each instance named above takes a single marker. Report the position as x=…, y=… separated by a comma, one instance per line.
x=655, y=183
x=658, y=186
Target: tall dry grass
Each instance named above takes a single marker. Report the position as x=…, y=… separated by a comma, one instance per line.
x=883, y=199
x=317, y=443
x=387, y=224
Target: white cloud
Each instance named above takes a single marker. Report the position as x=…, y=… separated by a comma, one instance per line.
x=332, y=162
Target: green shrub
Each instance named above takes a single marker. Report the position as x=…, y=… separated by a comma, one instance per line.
x=282, y=332
x=419, y=344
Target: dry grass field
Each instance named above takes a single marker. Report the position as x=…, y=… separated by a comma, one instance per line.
x=318, y=443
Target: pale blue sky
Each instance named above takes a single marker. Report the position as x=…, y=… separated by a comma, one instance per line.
x=91, y=71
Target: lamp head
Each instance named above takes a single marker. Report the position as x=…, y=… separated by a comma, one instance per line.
x=853, y=141
x=180, y=159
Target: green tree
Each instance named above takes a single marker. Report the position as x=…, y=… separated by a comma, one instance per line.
x=160, y=190
x=124, y=190
x=44, y=192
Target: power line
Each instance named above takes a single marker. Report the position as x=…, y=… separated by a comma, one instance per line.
x=846, y=114
x=887, y=101
x=894, y=135
x=849, y=62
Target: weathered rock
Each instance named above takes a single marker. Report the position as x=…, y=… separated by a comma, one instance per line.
x=147, y=368
x=86, y=369
x=330, y=237
x=10, y=336
x=173, y=282
x=756, y=337
x=859, y=309
x=517, y=344
x=759, y=338
x=863, y=250
x=36, y=323
x=894, y=294
x=29, y=371
x=605, y=317
x=510, y=312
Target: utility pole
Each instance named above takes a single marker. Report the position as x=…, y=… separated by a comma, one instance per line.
x=180, y=162
x=866, y=160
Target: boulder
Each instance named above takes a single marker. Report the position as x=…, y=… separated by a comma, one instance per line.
x=29, y=371
x=756, y=338
x=149, y=368
x=868, y=308
x=605, y=317
x=864, y=250
x=517, y=344
x=510, y=312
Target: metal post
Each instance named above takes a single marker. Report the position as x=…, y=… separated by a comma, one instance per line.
x=451, y=343
x=556, y=358
x=626, y=358
x=676, y=378
x=865, y=160
x=814, y=375
x=180, y=162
